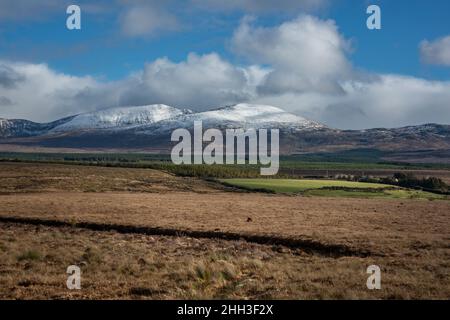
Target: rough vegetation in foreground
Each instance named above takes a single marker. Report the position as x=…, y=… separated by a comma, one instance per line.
x=407, y=238
x=152, y=267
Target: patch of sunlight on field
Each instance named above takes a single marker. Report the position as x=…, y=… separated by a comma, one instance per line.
x=332, y=188
x=293, y=185
x=376, y=193
x=414, y=194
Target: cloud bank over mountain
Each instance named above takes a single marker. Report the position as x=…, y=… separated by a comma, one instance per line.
x=302, y=65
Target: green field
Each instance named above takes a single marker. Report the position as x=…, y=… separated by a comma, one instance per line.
x=293, y=185
x=330, y=188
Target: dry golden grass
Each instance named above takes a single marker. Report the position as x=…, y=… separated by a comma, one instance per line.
x=408, y=239
x=34, y=261
x=29, y=178
x=381, y=226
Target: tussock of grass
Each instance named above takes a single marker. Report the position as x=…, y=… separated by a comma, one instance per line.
x=29, y=255
x=214, y=271
x=91, y=256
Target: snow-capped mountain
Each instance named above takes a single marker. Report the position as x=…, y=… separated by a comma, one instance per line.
x=160, y=118
x=117, y=118
x=252, y=115
x=10, y=128
x=150, y=127
x=241, y=115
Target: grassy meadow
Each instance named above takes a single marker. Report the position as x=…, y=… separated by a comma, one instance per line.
x=330, y=188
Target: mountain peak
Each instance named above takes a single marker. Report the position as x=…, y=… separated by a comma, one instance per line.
x=161, y=118
x=257, y=115
x=120, y=117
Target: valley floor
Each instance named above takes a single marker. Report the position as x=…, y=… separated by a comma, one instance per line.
x=139, y=233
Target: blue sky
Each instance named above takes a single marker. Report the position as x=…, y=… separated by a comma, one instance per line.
x=121, y=40
x=394, y=48
x=100, y=48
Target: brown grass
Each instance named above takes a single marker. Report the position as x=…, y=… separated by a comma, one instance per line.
x=377, y=225
x=408, y=239
x=153, y=267
x=31, y=178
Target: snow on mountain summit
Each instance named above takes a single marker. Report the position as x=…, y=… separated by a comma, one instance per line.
x=241, y=115
x=254, y=114
x=120, y=117
x=159, y=118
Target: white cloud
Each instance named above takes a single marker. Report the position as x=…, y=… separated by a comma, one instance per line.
x=305, y=54
x=392, y=101
x=198, y=83
x=386, y=101
x=300, y=66
x=41, y=94
x=311, y=76
x=436, y=52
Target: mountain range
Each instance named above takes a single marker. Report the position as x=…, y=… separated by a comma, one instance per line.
x=148, y=128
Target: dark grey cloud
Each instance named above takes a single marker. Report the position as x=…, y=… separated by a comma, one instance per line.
x=342, y=115
x=9, y=78
x=282, y=81
x=5, y=102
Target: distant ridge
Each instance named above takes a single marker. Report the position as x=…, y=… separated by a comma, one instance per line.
x=156, y=117
x=148, y=128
